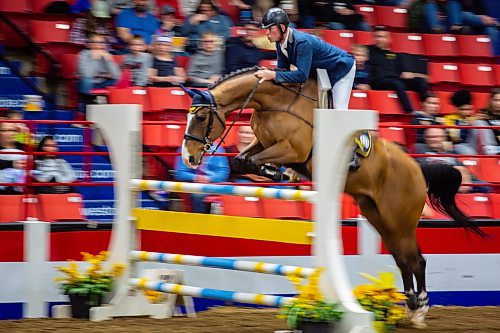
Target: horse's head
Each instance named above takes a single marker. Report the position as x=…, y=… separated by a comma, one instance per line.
x=204, y=125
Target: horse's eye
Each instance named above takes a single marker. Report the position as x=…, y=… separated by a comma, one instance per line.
x=201, y=117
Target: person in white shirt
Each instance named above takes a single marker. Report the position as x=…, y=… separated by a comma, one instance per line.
x=51, y=168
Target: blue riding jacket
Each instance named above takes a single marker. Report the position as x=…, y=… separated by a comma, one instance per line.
x=307, y=53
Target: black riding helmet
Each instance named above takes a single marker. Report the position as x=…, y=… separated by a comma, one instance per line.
x=275, y=16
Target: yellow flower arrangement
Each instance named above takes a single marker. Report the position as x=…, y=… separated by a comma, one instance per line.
x=383, y=299
x=310, y=304
x=94, y=281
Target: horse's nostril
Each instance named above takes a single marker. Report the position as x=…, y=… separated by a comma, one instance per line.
x=191, y=159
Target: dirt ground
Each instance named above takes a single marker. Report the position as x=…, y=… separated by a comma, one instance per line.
x=229, y=319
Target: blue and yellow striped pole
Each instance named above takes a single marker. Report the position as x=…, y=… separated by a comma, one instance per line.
x=222, y=295
x=237, y=265
x=242, y=191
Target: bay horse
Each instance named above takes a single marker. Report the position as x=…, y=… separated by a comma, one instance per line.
x=390, y=187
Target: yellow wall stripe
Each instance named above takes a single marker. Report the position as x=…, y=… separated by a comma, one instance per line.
x=284, y=231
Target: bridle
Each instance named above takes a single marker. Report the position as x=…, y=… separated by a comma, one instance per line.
x=212, y=110
x=212, y=113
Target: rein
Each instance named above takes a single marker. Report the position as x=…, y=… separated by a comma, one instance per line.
x=249, y=98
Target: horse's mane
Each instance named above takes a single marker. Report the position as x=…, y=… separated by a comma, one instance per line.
x=233, y=74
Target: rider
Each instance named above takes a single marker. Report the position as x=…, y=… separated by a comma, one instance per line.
x=300, y=54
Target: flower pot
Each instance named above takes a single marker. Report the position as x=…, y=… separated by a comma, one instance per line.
x=81, y=304
x=315, y=327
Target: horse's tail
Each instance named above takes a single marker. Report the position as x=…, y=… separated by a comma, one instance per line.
x=444, y=181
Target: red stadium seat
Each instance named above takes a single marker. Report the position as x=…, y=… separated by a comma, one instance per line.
x=480, y=100
x=471, y=163
x=477, y=75
x=15, y=6
x=444, y=99
x=359, y=100
x=368, y=12
x=282, y=209
x=475, y=204
x=444, y=75
x=488, y=169
x=132, y=95
x=392, y=17
x=393, y=133
x=363, y=37
x=61, y=207
x=241, y=206
x=10, y=37
x=230, y=9
x=163, y=135
x=16, y=208
x=495, y=205
x=50, y=31
x=407, y=43
x=340, y=38
x=497, y=74
x=478, y=47
x=182, y=61
x=436, y=45
x=385, y=102
x=268, y=63
x=168, y=99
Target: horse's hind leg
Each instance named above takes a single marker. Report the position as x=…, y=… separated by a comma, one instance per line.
x=411, y=262
x=280, y=153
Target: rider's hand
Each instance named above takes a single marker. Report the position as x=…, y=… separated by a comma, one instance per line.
x=265, y=75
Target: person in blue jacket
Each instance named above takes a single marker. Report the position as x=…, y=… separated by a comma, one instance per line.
x=300, y=54
x=214, y=169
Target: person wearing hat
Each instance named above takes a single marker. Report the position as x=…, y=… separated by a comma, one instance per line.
x=300, y=54
x=165, y=73
x=463, y=116
x=169, y=25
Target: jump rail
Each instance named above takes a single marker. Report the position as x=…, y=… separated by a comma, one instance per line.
x=238, y=265
x=242, y=191
x=222, y=295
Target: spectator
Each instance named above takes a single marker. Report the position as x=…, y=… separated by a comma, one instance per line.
x=206, y=65
x=427, y=116
x=241, y=52
x=474, y=16
x=437, y=144
x=118, y=6
x=164, y=72
x=207, y=18
x=361, y=79
x=245, y=136
x=96, y=66
x=489, y=139
x=136, y=21
x=23, y=135
x=463, y=116
x=138, y=62
x=245, y=7
x=50, y=168
x=14, y=174
x=386, y=69
x=8, y=133
x=214, y=169
x=95, y=21
x=343, y=16
x=169, y=25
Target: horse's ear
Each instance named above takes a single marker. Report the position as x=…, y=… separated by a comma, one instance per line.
x=190, y=92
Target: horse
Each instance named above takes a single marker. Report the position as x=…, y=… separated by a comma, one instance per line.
x=389, y=186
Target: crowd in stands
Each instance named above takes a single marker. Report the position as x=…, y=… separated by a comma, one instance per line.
x=150, y=35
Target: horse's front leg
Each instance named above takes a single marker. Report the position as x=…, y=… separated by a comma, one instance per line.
x=242, y=160
x=280, y=153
